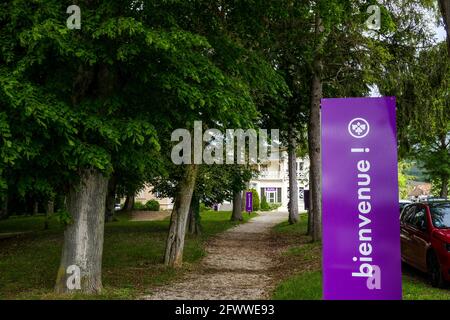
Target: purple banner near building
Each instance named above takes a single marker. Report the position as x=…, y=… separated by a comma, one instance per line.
x=249, y=201
x=361, y=230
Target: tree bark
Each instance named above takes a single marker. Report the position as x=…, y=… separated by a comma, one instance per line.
x=314, y=140
x=444, y=5
x=4, y=207
x=110, y=200
x=49, y=212
x=243, y=200
x=83, y=237
x=129, y=203
x=35, y=208
x=310, y=212
x=194, y=215
x=293, y=186
x=175, y=241
x=236, y=214
x=444, y=188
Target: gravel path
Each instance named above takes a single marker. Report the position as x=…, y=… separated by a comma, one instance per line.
x=238, y=265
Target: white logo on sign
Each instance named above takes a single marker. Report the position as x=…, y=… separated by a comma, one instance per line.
x=358, y=128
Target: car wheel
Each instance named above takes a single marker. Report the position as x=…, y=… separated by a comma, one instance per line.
x=437, y=280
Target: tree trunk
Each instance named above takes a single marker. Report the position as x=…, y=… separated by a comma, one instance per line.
x=194, y=215
x=49, y=212
x=310, y=212
x=243, y=202
x=110, y=200
x=444, y=188
x=83, y=237
x=4, y=207
x=175, y=240
x=315, y=161
x=236, y=214
x=129, y=203
x=314, y=141
x=444, y=5
x=293, y=186
x=35, y=208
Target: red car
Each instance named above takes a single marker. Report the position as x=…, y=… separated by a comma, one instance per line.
x=425, y=239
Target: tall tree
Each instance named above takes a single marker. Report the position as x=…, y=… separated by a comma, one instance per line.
x=415, y=72
x=241, y=76
x=426, y=83
x=92, y=98
x=444, y=6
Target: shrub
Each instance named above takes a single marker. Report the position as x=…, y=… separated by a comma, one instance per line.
x=264, y=205
x=255, y=200
x=152, y=205
x=138, y=205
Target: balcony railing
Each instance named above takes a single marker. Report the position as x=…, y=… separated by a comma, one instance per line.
x=270, y=175
x=275, y=175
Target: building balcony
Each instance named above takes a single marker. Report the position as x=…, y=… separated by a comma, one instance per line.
x=278, y=175
x=270, y=175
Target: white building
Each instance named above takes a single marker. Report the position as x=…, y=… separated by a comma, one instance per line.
x=272, y=181
x=147, y=194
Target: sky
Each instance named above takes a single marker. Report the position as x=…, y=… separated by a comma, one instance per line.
x=440, y=34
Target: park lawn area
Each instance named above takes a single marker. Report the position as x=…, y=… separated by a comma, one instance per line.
x=304, y=258
x=132, y=256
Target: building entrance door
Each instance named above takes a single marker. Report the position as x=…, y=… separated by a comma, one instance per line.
x=271, y=196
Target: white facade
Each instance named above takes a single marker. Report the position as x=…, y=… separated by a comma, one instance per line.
x=147, y=194
x=273, y=181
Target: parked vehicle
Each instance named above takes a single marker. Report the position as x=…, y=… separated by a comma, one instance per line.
x=404, y=203
x=425, y=239
x=117, y=207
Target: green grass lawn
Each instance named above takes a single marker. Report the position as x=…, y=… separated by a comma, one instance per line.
x=306, y=282
x=132, y=256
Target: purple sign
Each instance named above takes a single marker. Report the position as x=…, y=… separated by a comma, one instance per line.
x=249, y=201
x=361, y=230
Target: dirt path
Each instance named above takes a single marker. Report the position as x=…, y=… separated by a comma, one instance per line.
x=238, y=265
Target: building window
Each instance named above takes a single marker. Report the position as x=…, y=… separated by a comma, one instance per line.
x=273, y=195
x=301, y=193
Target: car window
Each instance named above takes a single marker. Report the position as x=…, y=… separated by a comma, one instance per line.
x=419, y=218
x=440, y=215
x=408, y=214
x=402, y=206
